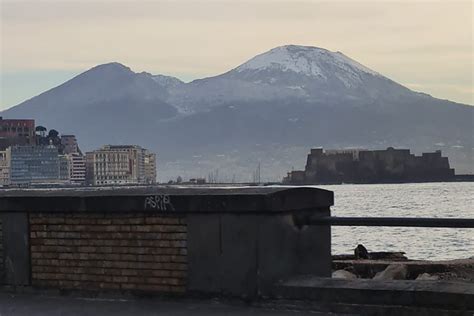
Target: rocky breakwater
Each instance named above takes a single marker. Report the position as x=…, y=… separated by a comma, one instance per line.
x=395, y=266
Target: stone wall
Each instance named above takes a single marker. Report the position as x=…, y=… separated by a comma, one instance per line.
x=109, y=251
x=191, y=241
x=2, y=264
x=371, y=166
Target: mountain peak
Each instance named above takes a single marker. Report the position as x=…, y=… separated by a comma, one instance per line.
x=294, y=48
x=307, y=60
x=112, y=67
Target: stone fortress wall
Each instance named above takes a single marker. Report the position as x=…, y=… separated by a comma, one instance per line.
x=371, y=166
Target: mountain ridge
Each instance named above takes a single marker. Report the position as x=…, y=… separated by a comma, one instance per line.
x=276, y=104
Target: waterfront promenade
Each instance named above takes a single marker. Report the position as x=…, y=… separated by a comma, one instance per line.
x=44, y=305
x=171, y=250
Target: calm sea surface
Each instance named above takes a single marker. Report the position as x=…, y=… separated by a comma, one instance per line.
x=454, y=199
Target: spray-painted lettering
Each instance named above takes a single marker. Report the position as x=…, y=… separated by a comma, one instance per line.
x=159, y=202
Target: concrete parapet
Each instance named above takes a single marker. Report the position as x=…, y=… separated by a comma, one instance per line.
x=2, y=266
x=235, y=242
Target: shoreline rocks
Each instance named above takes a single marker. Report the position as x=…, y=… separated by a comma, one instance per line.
x=392, y=272
x=427, y=277
x=343, y=274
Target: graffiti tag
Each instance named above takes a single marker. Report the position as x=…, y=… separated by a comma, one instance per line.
x=159, y=202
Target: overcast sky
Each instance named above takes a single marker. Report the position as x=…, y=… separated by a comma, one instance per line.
x=425, y=45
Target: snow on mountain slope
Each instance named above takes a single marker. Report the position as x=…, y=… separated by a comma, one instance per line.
x=306, y=60
x=307, y=67
x=300, y=72
x=167, y=81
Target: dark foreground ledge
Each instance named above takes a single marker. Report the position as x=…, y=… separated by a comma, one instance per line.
x=226, y=241
x=318, y=297
x=425, y=297
x=56, y=305
x=167, y=199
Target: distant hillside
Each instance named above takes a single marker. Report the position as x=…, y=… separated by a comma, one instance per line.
x=271, y=109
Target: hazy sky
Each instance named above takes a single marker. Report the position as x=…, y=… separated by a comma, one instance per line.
x=425, y=45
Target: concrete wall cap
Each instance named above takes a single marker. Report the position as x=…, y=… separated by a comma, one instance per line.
x=167, y=199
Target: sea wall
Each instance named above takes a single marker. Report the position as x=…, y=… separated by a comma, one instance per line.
x=2, y=265
x=235, y=242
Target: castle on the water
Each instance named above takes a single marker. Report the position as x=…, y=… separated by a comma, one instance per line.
x=371, y=166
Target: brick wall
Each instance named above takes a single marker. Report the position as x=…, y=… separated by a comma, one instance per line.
x=109, y=251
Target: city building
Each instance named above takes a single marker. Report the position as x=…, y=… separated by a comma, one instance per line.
x=4, y=168
x=150, y=167
x=33, y=156
x=63, y=168
x=119, y=165
x=77, y=168
x=34, y=165
x=69, y=144
x=371, y=166
x=90, y=168
x=16, y=132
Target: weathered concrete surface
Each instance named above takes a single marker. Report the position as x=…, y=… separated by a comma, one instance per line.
x=30, y=304
x=443, y=295
x=16, y=253
x=244, y=255
x=181, y=200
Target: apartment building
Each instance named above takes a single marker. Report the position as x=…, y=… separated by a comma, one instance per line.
x=69, y=143
x=34, y=164
x=16, y=132
x=77, y=168
x=120, y=165
x=4, y=168
x=150, y=167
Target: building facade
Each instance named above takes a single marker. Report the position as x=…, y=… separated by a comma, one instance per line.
x=63, y=168
x=34, y=164
x=4, y=168
x=150, y=167
x=120, y=165
x=69, y=144
x=16, y=132
x=77, y=168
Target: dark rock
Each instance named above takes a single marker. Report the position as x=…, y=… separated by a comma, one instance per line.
x=361, y=252
x=388, y=255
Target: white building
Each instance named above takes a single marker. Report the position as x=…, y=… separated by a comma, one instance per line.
x=120, y=165
x=150, y=167
x=77, y=168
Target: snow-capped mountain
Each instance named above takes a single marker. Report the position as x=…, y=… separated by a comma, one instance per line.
x=271, y=108
x=309, y=61
x=291, y=71
x=315, y=72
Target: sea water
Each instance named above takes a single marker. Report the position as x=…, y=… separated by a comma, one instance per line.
x=446, y=199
